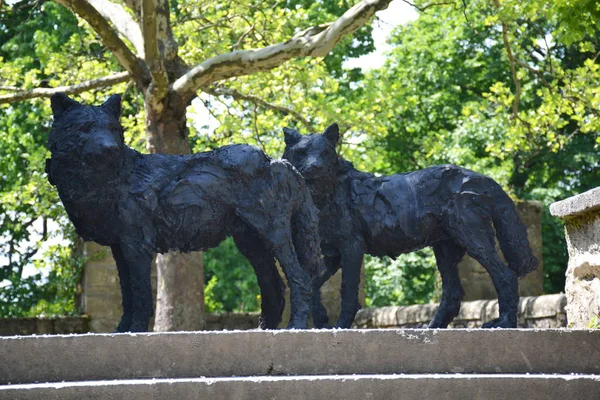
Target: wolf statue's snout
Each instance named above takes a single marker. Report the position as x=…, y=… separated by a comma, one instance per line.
x=312, y=168
x=101, y=149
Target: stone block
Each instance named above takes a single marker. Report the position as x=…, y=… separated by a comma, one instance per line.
x=581, y=214
x=477, y=282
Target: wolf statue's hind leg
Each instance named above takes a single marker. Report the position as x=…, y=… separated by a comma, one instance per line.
x=275, y=231
x=352, y=254
x=319, y=313
x=470, y=224
x=505, y=283
x=448, y=254
x=271, y=285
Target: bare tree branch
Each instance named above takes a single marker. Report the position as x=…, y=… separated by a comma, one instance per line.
x=159, y=86
x=513, y=68
x=74, y=89
x=222, y=91
x=122, y=21
x=110, y=38
x=424, y=7
x=245, y=62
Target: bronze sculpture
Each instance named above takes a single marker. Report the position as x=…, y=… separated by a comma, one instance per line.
x=143, y=203
x=452, y=209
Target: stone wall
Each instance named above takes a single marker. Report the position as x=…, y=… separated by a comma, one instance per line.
x=43, y=326
x=477, y=282
x=581, y=214
x=534, y=312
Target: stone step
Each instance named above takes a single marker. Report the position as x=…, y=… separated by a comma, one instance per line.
x=406, y=387
x=28, y=359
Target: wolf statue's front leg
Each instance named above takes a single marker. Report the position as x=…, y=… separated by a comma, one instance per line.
x=126, y=293
x=134, y=263
x=352, y=254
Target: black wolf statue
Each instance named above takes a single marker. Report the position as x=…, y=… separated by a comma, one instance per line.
x=446, y=207
x=143, y=203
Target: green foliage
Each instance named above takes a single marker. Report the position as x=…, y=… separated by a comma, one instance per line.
x=409, y=279
x=51, y=290
x=230, y=280
x=594, y=322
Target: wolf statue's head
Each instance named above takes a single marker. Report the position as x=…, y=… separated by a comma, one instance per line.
x=314, y=156
x=88, y=138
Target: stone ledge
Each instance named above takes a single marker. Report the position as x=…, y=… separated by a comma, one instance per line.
x=347, y=387
x=577, y=205
x=539, y=311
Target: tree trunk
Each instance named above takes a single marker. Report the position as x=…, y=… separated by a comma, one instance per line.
x=180, y=286
x=179, y=292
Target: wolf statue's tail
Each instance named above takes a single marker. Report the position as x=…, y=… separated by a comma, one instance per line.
x=512, y=235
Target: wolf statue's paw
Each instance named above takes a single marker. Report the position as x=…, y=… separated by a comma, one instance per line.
x=124, y=324
x=323, y=325
x=138, y=327
x=265, y=323
x=500, y=323
x=297, y=325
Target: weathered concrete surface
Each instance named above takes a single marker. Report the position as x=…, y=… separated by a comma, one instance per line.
x=311, y=352
x=477, y=282
x=581, y=214
x=534, y=312
x=406, y=387
x=579, y=205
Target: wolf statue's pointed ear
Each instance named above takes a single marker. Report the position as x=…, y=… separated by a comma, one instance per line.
x=332, y=133
x=60, y=103
x=292, y=136
x=113, y=105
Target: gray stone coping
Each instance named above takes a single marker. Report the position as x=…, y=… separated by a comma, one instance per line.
x=29, y=359
x=473, y=313
x=346, y=387
x=577, y=205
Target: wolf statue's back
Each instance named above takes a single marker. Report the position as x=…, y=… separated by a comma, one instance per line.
x=143, y=203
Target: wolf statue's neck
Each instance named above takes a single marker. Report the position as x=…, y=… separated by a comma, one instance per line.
x=82, y=186
x=326, y=190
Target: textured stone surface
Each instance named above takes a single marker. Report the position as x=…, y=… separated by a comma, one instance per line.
x=385, y=387
x=477, y=282
x=310, y=352
x=534, y=312
x=41, y=326
x=582, y=230
x=582, y=285
x=579, y=205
